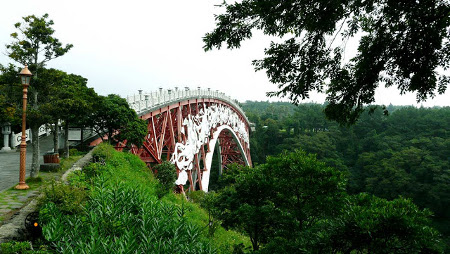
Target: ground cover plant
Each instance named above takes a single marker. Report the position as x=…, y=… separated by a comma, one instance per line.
x=122, y=213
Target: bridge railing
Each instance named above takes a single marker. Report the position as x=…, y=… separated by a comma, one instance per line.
x=149, y=101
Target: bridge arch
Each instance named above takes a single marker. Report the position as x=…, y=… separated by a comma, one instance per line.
x=223, y=146
x=184, y=127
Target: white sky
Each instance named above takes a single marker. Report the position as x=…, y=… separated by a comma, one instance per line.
x=123, y=46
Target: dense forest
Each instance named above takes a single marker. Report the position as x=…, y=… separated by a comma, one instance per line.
x=404, y=151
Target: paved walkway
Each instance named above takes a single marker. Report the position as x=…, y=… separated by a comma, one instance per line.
x=10, y=162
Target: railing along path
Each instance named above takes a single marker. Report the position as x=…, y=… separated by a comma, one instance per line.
x=149, y=101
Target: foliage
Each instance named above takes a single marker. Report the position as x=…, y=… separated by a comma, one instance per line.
x=123, y=214
x=294, y=204
x=247, y=206
x=34, y=40
x=134, y=132
x=102, y=153
x=113, y=115
x=166, y=173
x=34, y=44
x=380, y=226
x=14, y=247
x=10, y=94
x=75, y=152
x=69, y=100
x=403, y=44
x=67, y=198
x=207, y=201
x=78, y=179
x=94, y=169
x=402, y=154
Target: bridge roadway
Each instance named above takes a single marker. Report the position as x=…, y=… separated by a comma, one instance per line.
x=9, y=162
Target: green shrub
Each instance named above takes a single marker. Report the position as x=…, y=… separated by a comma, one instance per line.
x=67, y=198
x=75, y=152
x=166, y=174
x=196, y=196
x=93, y=169
x=102, y=152
x=78, y=179
x=15, y=247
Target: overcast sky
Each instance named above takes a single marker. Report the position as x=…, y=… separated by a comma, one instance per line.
x=123, y=46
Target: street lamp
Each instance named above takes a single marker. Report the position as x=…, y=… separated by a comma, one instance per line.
x=25, y=76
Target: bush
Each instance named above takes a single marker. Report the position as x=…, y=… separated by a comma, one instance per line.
x=166, y=174
x=196, y=196
x=78, y=179
x=93, y=169
x=102, y=152
x=69, y=199
x=75, y=152
x=14, y=247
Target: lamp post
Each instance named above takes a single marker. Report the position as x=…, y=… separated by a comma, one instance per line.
x=25, y=76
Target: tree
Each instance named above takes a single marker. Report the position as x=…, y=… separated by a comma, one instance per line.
x=71, y=101
x=246, y=205
x=374, y=225
x=35, y=45
x=166, y=173
x=10, y=94
x=113, y=115
x=296, y=204
x=134, y=132
x=404, y=43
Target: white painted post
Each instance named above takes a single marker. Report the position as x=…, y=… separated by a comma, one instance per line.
x=13, y=139
x=140, y=99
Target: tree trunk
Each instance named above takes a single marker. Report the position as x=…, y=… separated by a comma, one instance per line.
x=82, y=138
x=66, y=139
x=35, y=143
x=56, y=138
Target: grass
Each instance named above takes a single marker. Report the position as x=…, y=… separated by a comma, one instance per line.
x=223, y=239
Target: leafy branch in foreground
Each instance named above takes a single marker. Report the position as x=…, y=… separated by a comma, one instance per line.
x=404, y=44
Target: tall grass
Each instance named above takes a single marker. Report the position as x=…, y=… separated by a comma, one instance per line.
x=122, y=214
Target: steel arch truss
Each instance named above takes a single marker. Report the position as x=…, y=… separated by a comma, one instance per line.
x=186, y=133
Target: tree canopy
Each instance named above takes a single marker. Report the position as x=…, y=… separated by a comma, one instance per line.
x=296, y=204
x=34, y=43
x=10, y=94
x=403, y=43
x=405, y=153
x=113, y=116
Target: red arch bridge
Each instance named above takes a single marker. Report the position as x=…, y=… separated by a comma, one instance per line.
x=185, y=126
